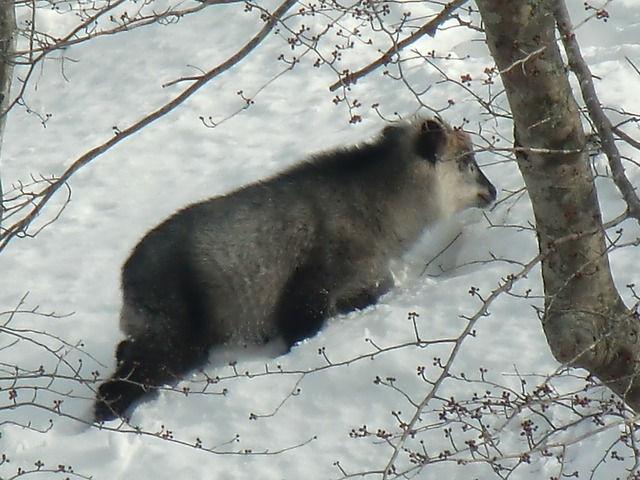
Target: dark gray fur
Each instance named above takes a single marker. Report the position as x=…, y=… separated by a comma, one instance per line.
x=276, y=258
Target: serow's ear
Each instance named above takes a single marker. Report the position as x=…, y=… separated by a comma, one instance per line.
x=391, y=133
x=429, y=140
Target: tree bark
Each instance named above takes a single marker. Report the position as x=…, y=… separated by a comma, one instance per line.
x=585, y=320
x=7, y=47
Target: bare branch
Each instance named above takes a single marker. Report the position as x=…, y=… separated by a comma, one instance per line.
x=600, y=119
x=626, y=137
x=428, y=28
x=199, y=81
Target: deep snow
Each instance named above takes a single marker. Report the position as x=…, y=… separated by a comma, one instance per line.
x=72, y=267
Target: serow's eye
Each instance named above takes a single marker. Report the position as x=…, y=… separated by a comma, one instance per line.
x=467, y=163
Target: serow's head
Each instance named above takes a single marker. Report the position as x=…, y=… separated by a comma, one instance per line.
x=457, y=178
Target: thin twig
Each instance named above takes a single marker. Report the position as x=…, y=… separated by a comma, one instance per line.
x=633, y=65
x=504, y=286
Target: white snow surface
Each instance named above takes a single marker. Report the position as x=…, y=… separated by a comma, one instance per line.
x=305, y=414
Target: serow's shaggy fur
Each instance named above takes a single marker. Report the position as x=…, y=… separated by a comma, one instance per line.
x=276, y=258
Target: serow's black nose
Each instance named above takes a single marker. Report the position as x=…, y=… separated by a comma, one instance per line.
x=487, y=198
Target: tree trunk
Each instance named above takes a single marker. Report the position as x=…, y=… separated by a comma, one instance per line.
x=7, y=43
x=585, y=320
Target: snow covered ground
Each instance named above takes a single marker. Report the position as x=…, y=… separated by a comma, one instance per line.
x=306, y=418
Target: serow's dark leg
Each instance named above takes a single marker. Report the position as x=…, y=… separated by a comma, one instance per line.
x=303, y=307
x=365, y=297
x=141, y=368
